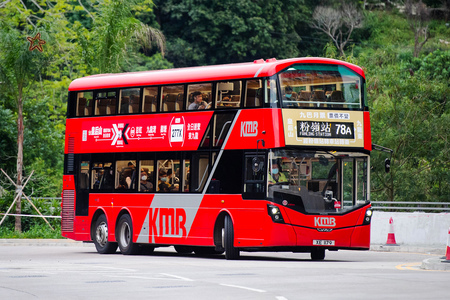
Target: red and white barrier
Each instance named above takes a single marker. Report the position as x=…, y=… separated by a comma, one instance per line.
x=447, y=253
x=391, y=234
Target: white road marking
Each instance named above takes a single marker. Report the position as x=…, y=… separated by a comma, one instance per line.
x=244, y=288
x=178, y=277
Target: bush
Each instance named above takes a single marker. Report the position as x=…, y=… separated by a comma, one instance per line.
x=32, y=227
x=41, y=231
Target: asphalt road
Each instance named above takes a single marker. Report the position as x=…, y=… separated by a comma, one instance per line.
x=56, y=272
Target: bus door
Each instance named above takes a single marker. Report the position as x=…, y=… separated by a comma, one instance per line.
x=355, y=181
x=82, y=186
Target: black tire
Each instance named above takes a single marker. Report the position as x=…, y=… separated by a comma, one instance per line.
x=184, y=249
x=99, y=235
x=318, y=254
x=231, y=252
x=124, y=236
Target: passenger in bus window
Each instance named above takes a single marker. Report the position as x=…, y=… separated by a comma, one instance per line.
x=163, y=182
x=146, y=186
x=131, y=179
x=173, y=179
x=275, y=174
x=288, y=93
x=198, y=102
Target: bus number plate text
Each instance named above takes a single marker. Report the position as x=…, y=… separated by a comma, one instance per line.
x=324, y=243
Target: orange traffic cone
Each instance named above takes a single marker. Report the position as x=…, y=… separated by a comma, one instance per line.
x=391, y=234
x=447, y=253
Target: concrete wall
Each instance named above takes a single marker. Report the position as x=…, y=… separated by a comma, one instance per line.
x=411, y=229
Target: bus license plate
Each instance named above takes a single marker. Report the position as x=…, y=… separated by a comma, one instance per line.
x=323, y=243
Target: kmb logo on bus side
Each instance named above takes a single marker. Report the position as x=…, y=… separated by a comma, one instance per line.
x=168, y=222
x=249, y=128
x=324, y=221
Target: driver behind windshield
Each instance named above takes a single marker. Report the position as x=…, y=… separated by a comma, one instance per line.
x=275, y=174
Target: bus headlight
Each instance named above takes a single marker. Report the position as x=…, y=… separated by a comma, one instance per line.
x=368, y=216
x=275, y=213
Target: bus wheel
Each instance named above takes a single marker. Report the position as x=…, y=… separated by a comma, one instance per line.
x=228, y=238
x=124, y=234
x=100, y=237
x=318, y=254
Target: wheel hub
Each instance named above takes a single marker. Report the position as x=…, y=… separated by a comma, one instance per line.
x=101, y=234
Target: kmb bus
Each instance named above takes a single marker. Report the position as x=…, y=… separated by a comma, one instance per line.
x=271, y=155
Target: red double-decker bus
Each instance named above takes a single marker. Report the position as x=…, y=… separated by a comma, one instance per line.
x=264, y=156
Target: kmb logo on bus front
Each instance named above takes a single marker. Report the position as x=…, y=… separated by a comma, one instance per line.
x=324, y=222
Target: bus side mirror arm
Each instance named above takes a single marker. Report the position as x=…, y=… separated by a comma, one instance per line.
x=387, y=161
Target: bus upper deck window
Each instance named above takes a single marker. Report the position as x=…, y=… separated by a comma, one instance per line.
x=172, y=98
x=149, y=103
x=228, y=94
x=254, y=93
x=105, y=103
x=199, y=96
x=129, y=101
x=84, y=104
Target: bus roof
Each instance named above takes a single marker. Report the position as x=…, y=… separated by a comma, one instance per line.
x=258, y=68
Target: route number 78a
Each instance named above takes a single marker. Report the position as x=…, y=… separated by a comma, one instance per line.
x=343, y=129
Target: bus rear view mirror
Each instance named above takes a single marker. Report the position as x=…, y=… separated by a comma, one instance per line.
x=387, y=165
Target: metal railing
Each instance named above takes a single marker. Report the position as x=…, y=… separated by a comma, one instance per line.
x=35, y=216
x=411, y=206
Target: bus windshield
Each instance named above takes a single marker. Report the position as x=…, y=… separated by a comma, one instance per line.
x=330, y=86
x=318, y=182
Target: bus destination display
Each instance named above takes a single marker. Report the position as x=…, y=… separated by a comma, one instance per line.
x=314, y=129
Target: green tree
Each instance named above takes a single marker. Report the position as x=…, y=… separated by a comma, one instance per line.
x=113, y=33
x=203, y=32
x=19, y=68
x=410, y=113
x=7, y=140
x=24, y=59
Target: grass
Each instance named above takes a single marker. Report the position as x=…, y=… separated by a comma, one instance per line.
x=34, y=232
